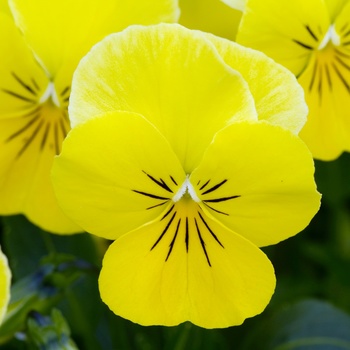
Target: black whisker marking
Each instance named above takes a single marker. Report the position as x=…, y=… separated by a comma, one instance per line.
x=313, y=76
x=186, y=235
x=223, y=199
x=160, y=183
x=25, y=127
x=311, y=33
x=65, y=116
x=202, y=242
x=218, y=211
x=210, y=230
x=302, y=44
x=341, y=77
x=339, y=53
x=173, y=180
x=150, y=195
x=63, y=128
x=157, y=205
x=46, y=133
x=164, y=231
x=57, y=141
x=214, y=187
x=328, y=77
x=344, y=27
x=23, y=84
x=35, y=84
x=168, y=212
x=64, y=91
x=32, y=112
x=320, y=85
x=346, y=43
x=346, y=66
x=204, y=185
x=66, y=99
x=346, y=34
x=173, y=241
x=30, y=140
x=20, y=97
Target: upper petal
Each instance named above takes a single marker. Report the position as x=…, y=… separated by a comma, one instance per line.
x=257, y=179
x=28, y=146
x=171, y=75
x=115, y=173
x=278, y=97
x=286, y=31
x=62, y=31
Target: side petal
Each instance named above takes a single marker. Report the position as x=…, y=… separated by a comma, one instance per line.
x=62, y=31
x=186, y=275
x=278, y=97
x=5, y=283
x=263, y=187
x=115, y=173
x=326, y=82
x=28, y=145
x=286, y=31
x=22, y=81
x=171, y=75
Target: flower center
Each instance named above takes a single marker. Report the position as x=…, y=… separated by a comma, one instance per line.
x=331, y=36
x=50, y=94
x=186, y=191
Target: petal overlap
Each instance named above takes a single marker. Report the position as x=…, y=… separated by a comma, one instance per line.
x=174, y=86
x=263, y=188
x=124, y=181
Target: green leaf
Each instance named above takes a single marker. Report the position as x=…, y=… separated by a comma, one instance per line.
x=306, y=325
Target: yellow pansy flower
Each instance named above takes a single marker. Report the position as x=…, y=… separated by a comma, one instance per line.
x=312, y=39
x=167, y=157
x=5, y=282
x=36, y=71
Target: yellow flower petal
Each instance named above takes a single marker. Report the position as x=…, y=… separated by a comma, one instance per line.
x=4, y=7
x=326, y=82
x=22, y=80
x=278, y=97
x=185, y=266
x=170, y=75
x=210, y=16
x=5, y=282
x=335, y=7
x=261, y=186
x=121, y=170
x=286, y=31
x=29, y=144
x=62, y=31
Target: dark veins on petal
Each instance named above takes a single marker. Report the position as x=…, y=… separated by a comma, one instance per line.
x=214, y=200
x=172, y=227
x=36, y=124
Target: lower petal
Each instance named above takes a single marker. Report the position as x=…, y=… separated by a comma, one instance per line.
x=186, y=267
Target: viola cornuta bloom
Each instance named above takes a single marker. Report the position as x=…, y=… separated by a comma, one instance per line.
x=5, y=283
x=169, y=158
x=36, y=71
x=312, y=39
